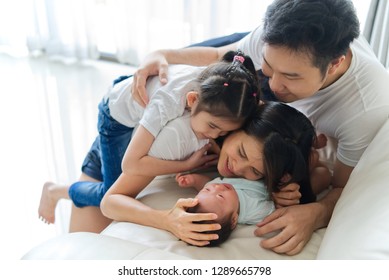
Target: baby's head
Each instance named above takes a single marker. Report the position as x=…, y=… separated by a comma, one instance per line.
x=221, y=199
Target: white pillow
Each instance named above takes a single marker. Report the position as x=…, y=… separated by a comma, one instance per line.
x=359, y=227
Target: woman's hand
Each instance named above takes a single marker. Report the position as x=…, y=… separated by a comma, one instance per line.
x=154, y=64
x=287, y=196
x=320, y=142
x=185, y=225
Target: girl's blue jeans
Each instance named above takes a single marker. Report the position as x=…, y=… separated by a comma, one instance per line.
x=103, y=161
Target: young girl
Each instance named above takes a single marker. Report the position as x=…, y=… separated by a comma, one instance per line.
x=220, y=100
x=274, y=146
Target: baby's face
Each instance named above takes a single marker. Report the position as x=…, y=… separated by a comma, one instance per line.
x=219, y=198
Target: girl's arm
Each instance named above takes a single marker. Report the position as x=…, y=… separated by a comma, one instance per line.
x=136, y=160
x=119, y=204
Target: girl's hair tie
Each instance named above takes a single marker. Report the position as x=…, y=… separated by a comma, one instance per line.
x=225, y=84
x=239, y=58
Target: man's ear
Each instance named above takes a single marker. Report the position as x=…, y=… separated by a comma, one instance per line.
x=191, y=98
x=234, y=220
x=335, y=63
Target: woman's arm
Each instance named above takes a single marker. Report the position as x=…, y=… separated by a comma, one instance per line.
x=156, y=63
x=119, y=204
x=136, y=160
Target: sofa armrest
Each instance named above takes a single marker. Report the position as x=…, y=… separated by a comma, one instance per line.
x=359, y=227
x=92, y=246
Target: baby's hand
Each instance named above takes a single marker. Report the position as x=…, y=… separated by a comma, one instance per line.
x=185, y=180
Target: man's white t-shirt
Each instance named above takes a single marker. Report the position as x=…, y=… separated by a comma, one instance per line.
x=350, y=111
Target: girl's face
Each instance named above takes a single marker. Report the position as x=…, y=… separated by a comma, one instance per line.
x=219, y=198
x=241, y=156
x=207, y=126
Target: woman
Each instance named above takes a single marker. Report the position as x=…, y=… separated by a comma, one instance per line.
x=275, y=145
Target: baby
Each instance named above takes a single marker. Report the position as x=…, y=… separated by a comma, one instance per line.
x=234, y=200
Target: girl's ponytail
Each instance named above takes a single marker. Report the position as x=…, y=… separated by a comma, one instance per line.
x=229, y=88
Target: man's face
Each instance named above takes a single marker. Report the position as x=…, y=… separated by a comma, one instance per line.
x=291, y=75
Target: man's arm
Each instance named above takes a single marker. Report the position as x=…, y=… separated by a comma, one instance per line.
x=156, y=63
x=341, y=174
x=297, y=223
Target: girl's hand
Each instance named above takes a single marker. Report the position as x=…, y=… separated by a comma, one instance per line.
x=214, y=149
x=200, y=159
x=287, y=196
x=185, y=180
x=185, y=227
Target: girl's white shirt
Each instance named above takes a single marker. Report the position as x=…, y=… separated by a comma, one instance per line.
x=167, y=102
x=165, y=116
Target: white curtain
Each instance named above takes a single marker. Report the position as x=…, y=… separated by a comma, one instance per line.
x=69, y=29
x=137, y=27
x=376, y=29
x=126, y=29
x=55, y=27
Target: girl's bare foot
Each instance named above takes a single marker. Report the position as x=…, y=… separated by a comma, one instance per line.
x=51, y=194
x=47, y=204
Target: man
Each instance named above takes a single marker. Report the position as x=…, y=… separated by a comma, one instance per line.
x=314, y=59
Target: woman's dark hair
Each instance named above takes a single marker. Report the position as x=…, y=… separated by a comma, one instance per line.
x=225, y=222
x=287, y=136
x=229, y=88
x=322, y=28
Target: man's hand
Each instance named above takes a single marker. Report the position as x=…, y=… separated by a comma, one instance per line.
x=154, y=64
x=295, y=224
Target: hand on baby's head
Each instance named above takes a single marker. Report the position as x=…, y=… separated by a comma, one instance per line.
x=223, y=233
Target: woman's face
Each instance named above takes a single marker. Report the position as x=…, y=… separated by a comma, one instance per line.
x=241, y=156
